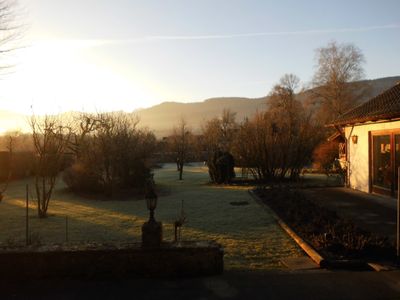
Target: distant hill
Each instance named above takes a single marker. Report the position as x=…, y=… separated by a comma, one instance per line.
x=161, y=118
x=371, y=88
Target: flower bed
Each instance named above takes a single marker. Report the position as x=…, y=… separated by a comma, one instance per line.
x=334, y=237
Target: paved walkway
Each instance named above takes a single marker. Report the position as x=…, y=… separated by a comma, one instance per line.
x=305, y=285
x=372, y=212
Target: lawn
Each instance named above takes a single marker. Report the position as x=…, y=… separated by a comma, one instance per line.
x=250, y=236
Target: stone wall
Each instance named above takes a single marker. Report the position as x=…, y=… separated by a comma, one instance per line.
x=130, y=260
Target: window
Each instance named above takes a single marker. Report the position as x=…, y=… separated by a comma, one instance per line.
x=385, y=161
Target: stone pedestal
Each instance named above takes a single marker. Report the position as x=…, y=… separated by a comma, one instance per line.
x=152, y=234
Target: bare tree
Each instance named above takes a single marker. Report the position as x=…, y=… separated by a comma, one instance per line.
x=10, y=145
x=50, y=139
x=111, y=154
x=228, y=128
x=10, y=31
x=212, y=135
x=219, y=132
x=180, y=143
x=337, y=66
x=279, y=141
x=253, y=147
x=285, y=113
x=17, y=141
x=283, y=99
x=219, y=137
x=82, y=126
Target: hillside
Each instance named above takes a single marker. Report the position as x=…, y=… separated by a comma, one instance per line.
x=161, y=118
x=164, y=116
x=369, y=88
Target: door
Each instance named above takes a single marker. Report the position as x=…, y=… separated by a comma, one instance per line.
x=396, y=160
x=385, y=162
x=382, y=162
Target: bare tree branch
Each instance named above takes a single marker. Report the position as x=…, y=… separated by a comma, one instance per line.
x=50, y=140
x=337, y=66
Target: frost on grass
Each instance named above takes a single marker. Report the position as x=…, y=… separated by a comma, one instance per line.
x=249, y=235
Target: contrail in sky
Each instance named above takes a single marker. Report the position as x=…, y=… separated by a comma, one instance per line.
x=272, y=33
x=89, y=43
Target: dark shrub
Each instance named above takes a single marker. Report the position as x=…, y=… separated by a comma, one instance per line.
x=221, y=167
x=78, y=178
x=16, y=166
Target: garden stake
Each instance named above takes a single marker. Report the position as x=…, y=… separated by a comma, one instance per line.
x=27, y=216
x=398, y=216
x=179, y=223
x=66, y=229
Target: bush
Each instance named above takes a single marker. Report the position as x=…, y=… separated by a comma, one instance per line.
x=115, y=156
x=324, y=156
x=78, y=178
x=221, y=167
x=16, y=166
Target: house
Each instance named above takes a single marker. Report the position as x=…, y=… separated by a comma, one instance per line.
x=372, y=135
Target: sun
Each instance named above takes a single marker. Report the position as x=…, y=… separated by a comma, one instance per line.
x=55, y=75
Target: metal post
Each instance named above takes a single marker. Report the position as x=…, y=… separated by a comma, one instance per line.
x=398, y=215
x=66, y=229
x=27, y=216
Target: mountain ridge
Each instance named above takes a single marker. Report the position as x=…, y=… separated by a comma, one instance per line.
x=162, y=117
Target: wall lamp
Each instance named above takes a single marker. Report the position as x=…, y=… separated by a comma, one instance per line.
x=354, y=139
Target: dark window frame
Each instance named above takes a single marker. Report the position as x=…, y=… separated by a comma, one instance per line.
x=375, y=188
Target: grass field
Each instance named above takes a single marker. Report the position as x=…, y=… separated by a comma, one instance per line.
x=250, y=236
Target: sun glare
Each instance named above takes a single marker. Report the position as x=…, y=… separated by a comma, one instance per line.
x=55, y=76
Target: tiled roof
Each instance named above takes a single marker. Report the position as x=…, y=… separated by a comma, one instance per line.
x=385, y=106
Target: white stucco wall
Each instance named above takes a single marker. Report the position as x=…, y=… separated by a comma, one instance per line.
x=358, y=153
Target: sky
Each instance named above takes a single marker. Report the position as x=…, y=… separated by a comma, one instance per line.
x=101, y=55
